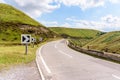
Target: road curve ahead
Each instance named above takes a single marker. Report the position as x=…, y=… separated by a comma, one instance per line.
x=59, y=62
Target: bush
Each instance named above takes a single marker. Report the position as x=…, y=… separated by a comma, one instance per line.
x=4, y=39
x=31, y=31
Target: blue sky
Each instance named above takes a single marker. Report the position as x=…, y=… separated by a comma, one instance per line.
x=101, y=15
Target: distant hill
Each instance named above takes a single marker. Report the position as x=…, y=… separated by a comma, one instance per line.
x=109, y=42
x=13, y=23
x=78, y=33
x=77, y=36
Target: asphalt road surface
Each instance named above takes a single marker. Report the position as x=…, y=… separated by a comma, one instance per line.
x=59, y=62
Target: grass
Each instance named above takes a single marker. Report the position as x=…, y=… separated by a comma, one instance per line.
x=11, y=14
x=14, y=22
x=14, y=55
x=80, y=42
x=76, y=33
x=11, y=55
x=109, y=42
x=8, y=35
x=79, y=37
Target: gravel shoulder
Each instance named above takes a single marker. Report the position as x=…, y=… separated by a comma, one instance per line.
x=21, y=72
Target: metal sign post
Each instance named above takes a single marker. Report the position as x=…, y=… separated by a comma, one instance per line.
x=26, y=49
x=33, y=40
x=41, y=39
x=33, y=44
x=26, y=39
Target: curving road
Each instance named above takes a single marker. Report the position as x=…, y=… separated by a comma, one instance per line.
x=59, y=62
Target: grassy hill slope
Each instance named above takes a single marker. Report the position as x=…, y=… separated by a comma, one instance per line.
x=13, y=15
x=13, y=23
x=109, y=42
x=79, y=37
x=72, y=32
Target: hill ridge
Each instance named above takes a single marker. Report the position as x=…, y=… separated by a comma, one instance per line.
x=14, y=22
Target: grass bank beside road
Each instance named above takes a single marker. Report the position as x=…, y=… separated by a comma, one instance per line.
x=12, y=55
x=15, y=54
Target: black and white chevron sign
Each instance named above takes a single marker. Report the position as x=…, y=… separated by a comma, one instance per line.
x=25, y=38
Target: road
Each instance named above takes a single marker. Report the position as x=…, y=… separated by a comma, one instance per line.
x=58, y=62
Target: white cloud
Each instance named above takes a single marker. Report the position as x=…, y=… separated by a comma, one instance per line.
x=107, y=23
x=55, y=24
x=2, y=1
x=66, y=25
x=50, y=23
x=83, y=4
x=35, y=8
x=114, y=1
x=111, y=19
x=86, y=4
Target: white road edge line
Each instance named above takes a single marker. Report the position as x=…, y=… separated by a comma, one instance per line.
x=48, y=70
x=116, y=76
x=56, y=45
x=67, y=42
x=40, y=71
x=65, y=53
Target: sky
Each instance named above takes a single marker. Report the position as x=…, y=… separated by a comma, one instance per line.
x=103, y=15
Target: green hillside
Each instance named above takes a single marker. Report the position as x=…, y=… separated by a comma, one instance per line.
x=72, y=32
x=13, y=23
x=11, y=14
x=79, y=37
x=109, y=42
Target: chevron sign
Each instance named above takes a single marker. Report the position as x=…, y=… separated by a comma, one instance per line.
x=25, y=38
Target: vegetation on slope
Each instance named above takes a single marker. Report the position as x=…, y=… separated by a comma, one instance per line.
x=13, y=15
x=96, y=40
x=79, y=37
x=13, y=23
x=109, y=42
x=77, y=33
x=10, y=55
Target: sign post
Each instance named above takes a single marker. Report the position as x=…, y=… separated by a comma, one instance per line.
x=33, y=41
x=41, y=39
x=26, y=49
x=26, y=39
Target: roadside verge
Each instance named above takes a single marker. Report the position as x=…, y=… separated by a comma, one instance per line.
x=99, y=54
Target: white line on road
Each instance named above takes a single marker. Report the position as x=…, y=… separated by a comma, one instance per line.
x=48, y=70
x=41, y=73
x=116, y=76
x=56, y=45
x=65, y=53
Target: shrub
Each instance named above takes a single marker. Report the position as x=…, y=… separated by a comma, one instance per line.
x=4, y=39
